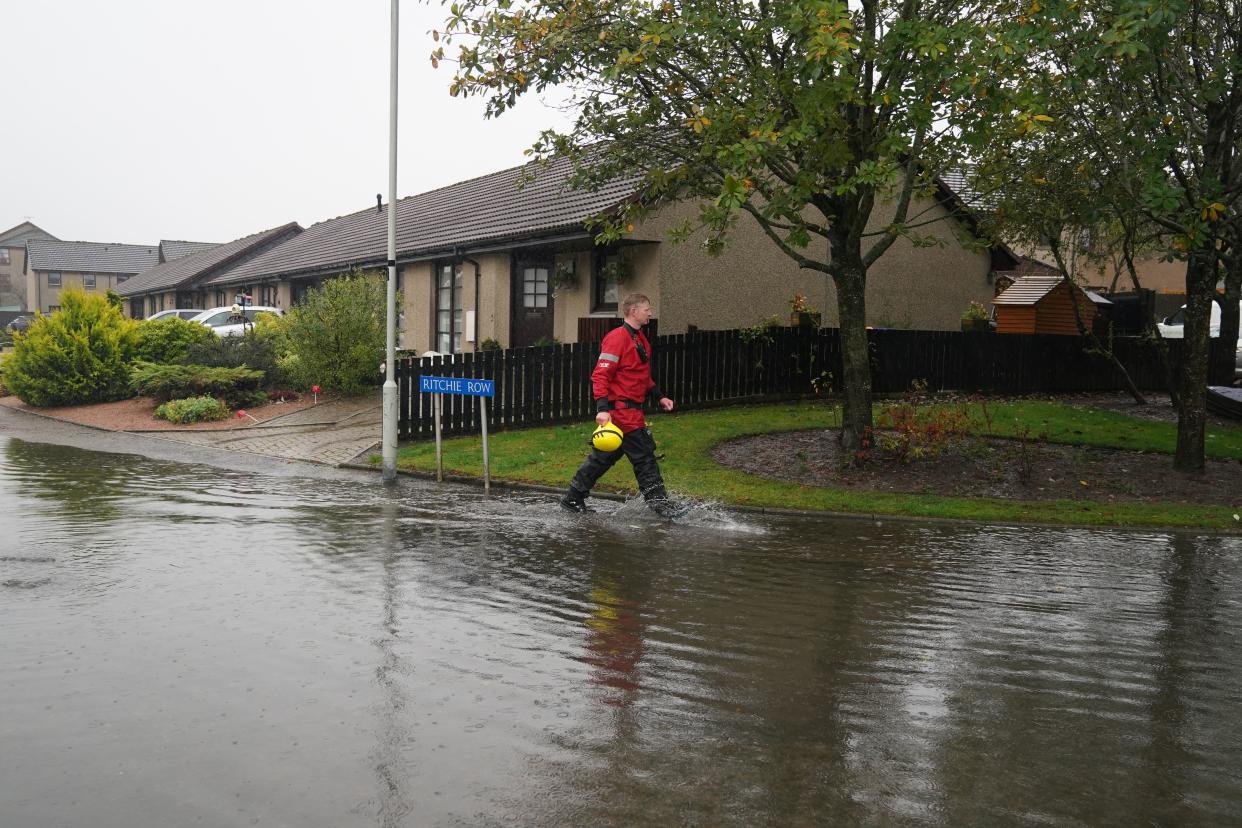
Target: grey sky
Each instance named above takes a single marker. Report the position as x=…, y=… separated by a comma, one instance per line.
x=136, y=120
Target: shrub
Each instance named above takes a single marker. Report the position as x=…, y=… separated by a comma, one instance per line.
x=80, y=354
x=336, y=338
x=167, y=340
x=256, y=349
x=193, y=410
x=283, y=395
x=490, y=344
x=238, y=387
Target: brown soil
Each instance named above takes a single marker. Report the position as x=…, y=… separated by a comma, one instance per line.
x=138, y=414
x=978, y=467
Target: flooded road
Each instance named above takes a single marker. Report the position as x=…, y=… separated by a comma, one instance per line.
x=187, y=645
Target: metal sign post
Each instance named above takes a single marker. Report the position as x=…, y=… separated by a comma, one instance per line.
x=468, y=387
x=437, y=403
x=487, y=460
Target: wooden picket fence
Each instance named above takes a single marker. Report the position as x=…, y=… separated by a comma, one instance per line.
x=551, y=384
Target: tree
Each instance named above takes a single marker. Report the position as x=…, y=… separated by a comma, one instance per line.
x=1151, y=90
x=336, y=337
x=801, y=114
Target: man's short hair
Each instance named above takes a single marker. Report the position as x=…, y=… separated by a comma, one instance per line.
x=632, y=301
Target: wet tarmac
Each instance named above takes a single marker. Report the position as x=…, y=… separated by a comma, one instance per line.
x=190, y=639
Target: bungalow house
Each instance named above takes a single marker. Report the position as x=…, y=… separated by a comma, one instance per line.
x=489, y=259
x=177, y=282
x=13, y=263
x=52, y=266
x=1045, y=305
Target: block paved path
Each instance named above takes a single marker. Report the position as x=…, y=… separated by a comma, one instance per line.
x=332, y=433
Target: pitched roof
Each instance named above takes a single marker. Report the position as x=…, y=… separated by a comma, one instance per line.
x=1027, y=290
x=89, y=257
x=486, y=210
x=175, y=249
x=18, y=236
x=179, y=272
x=959, y=182
x=1030, y=289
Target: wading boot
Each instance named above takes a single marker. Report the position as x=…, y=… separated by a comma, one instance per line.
x=574, y=501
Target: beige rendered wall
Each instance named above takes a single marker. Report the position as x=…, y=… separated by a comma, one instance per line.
x=753, y=280
x=51, y=295
x=416, y=297
x=13, y=282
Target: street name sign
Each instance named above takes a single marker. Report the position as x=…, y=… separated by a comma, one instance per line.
x=457, y=385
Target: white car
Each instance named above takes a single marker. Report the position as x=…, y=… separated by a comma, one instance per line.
x=1173, y=327
x=180, y=313
x=232, y=321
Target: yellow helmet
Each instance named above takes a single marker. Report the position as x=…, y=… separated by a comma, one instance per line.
x=607, y=437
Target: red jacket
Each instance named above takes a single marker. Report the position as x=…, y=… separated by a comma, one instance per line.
x=622, y=380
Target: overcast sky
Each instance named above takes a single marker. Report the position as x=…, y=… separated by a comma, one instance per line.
x=140, y=120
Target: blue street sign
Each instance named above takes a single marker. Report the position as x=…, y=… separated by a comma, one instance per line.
x=457, y=385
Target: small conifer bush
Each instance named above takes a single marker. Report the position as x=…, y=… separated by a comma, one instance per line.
x=80, y=354
x=193, y=410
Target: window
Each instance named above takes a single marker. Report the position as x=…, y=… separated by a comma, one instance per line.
x=121, y=278
x=448, y=308
x=53, y=280
x=53, y=308
x=267, y=296
x=4, y=255
x=88, y=281
x=218, y=319
x=534, y=287
x=606, y=290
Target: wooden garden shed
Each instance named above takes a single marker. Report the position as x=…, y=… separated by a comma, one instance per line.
x=1042, y=305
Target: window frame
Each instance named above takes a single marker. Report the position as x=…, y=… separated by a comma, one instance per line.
x=5, y=257
x=599, y=284
x=91, y=284
x=59, y=280
x=453, y=313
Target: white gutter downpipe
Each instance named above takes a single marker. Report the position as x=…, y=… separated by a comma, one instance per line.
x=389, y=438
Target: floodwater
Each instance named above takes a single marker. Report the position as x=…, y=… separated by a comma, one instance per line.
x=189, y=645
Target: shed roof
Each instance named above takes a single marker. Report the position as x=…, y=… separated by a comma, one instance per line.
x=187, y=269
x=90, y=257
x=1030, y=289
x=532, y=200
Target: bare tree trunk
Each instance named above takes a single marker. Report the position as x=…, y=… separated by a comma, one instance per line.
x=1192, y=382
x=850, y=277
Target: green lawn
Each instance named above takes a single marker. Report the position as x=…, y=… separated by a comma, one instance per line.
x=550, y=455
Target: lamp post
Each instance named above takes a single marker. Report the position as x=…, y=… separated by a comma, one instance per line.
x=389, y=438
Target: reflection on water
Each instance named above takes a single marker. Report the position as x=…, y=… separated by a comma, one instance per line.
x=183, y=644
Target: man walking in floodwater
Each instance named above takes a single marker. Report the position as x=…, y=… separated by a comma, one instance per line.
x=621, y=382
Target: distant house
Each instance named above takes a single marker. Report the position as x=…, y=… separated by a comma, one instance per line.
x=179, y=280
x=1045, y=305
x=13, y=263
x=51, y=266
x=489, y=259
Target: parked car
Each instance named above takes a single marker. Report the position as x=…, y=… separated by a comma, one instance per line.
x=1173, y=327
x=180, y=313
x=21, y=323
x=232, y=321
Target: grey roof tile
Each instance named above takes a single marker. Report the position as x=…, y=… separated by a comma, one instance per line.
x=187, y=269
x=90, y=257
x=171, y=249
x=488, y=209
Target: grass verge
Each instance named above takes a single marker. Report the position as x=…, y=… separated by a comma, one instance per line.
x=550, y=455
